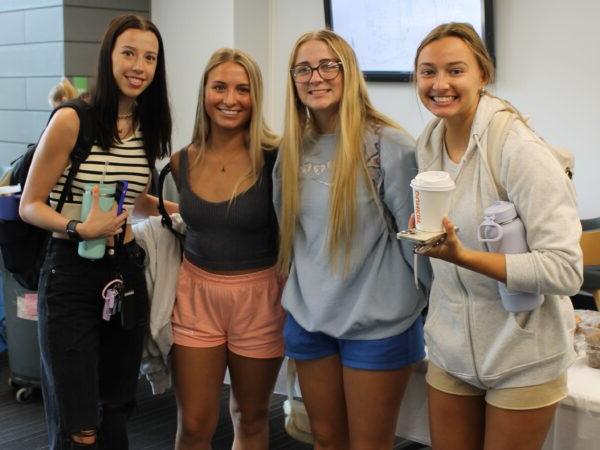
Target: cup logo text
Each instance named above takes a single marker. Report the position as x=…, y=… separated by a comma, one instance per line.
x=417, y=207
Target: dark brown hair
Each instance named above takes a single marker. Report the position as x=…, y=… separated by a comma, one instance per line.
x=153, y=112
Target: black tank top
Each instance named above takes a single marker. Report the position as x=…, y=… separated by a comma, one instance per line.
x=236, y=235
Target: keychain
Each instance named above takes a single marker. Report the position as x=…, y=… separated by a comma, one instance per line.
x=112, y=297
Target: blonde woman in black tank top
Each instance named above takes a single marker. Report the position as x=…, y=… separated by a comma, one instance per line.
x=227, y=314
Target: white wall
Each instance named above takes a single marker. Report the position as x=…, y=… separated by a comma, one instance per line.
x=252, y=33
x=191, y=31
x=546, y=53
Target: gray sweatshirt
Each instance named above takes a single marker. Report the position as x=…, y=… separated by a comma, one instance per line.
x=377, y=298
x=468, y=332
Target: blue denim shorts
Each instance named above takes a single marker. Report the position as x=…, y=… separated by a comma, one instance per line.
x=389, y=353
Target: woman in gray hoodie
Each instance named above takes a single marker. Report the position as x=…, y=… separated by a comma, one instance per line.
x=494, y=377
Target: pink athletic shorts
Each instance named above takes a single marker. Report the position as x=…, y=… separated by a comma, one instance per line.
x=243, y=311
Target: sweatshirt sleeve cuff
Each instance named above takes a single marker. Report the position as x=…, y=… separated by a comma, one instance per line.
x=520, y=273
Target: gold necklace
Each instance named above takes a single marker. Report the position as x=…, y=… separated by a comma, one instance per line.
x=129, y=115
x=226, y=162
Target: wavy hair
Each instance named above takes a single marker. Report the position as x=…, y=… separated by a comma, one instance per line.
x=356, y=116
x=258, y=135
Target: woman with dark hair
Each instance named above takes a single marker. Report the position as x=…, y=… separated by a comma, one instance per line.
x=90, y=356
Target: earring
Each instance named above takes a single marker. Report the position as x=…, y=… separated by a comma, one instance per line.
x=482, y=92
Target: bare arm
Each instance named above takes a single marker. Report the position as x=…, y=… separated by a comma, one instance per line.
x=147, y=205
x=49, y=161
x=451, y=249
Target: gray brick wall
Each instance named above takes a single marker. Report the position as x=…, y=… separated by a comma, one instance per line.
x=42, y=41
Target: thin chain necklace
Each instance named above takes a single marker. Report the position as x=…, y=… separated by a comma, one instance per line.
x=224, y=163
x=129, y=115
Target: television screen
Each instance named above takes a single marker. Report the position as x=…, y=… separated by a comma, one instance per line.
x=385, y=34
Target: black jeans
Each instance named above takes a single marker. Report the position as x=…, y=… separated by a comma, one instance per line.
x=89, y=366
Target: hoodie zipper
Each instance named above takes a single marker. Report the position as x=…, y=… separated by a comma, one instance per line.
x=468, y=332
x=468, y=303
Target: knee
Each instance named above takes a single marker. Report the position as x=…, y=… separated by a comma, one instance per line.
x=250, y=421
x=84, y=439
x=197, y=428
x=328, y=437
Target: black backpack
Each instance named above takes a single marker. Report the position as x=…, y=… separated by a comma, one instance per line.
x=23, y=246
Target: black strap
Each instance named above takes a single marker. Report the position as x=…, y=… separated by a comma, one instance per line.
x=165, y=217
x=82, y=148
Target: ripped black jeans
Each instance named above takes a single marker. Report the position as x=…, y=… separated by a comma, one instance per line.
x=89, y=366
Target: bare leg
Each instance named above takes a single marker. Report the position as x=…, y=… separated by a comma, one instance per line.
x=323, y=393
x=456, y=422
x=373, y=400
x=252, y=383
x=507, y=429
x=198, y=374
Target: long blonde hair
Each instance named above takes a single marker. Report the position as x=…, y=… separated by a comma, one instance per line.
x=258, y=135
x=356, y=114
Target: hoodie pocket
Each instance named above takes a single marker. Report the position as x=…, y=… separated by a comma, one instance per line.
x=520, y=341
x=446, y=338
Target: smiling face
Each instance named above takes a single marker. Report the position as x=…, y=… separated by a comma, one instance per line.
x=321, y=96
x=134, y=58
x=227, y=98
x=449, y=79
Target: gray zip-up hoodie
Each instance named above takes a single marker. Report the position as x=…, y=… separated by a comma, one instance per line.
x=468, y=332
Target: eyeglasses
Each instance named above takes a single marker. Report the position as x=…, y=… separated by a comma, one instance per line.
x=328, y=70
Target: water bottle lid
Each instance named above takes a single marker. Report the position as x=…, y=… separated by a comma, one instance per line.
x=501, y=211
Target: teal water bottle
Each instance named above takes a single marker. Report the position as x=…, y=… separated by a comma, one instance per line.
x=94, y=248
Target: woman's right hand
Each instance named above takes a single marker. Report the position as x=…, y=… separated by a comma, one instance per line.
x=449, y=248
x=101, y=223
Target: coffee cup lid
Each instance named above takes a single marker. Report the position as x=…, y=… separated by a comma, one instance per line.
x=501, y=211
x=434, y=180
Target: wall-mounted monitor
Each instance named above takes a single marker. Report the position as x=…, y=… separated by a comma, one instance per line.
x=385, y=34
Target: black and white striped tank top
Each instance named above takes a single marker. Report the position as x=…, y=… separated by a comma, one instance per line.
x=126, y=161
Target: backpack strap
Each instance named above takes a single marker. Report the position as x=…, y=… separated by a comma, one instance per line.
x=166, y=220
x=82, y=148
x=373, y=162
x=498, y=129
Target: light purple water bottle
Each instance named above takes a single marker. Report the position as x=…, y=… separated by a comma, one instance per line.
x=503, y=232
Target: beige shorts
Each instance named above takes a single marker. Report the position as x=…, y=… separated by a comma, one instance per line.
x=527, y=397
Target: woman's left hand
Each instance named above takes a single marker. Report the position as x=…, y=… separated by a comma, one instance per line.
x=449, y=248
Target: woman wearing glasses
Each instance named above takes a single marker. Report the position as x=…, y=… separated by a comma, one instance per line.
x=354, y=325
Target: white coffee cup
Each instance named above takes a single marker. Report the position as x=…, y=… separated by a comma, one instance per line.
x=432, y=192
